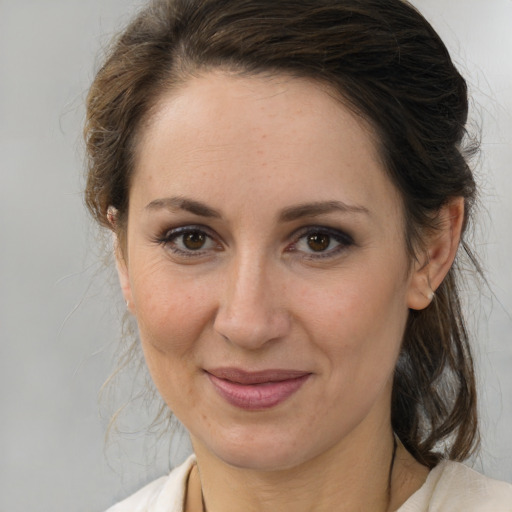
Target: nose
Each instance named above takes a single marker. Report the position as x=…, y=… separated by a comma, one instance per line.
x=251, y=311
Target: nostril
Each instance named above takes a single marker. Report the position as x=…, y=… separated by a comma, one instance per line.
x=254, y=330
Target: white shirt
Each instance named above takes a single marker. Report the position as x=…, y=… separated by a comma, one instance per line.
x=450, y=487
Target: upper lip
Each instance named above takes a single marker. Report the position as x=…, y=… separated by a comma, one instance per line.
x=258, y=377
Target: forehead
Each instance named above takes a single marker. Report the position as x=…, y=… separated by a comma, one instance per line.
x=259, y=136
x=267, y=105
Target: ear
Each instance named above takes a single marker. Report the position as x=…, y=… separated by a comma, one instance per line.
x=123, y=274
x=121, y=265
x=441, y=248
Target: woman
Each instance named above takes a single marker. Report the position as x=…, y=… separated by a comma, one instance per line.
x=288, y=186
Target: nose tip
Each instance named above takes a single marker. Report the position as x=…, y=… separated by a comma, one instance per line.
x=251, y=314
x=250, y=332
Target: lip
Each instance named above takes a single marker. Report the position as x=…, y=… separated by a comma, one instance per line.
x=256, y=390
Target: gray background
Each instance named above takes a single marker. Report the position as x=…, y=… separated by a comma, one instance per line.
x=60, y=309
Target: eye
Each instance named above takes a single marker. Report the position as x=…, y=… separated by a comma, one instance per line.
x=318, y=242
x=321, y=242
x=188, y=241
x=193, y=240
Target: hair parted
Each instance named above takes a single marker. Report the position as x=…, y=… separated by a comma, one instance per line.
x=389, y=66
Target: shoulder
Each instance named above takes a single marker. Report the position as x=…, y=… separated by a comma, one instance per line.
x=165, y=494
x=453, y=487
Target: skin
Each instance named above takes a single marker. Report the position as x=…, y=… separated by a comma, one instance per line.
x=258, y=295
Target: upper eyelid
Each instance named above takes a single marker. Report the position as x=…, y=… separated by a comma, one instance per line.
x=178, y=230
x=166, y=235
x=302, y=231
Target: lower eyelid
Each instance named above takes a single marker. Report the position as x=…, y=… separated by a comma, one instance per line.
x=169, y=239
x=343, y=240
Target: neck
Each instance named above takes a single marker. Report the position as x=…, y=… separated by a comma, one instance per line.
x=353, y=476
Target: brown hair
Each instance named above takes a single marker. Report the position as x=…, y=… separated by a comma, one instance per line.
x=390, y=67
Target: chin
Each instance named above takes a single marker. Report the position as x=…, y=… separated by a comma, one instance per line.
x=261, y=460
x=264, y=451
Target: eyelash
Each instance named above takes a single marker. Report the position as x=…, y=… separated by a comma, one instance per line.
x=343, y=240
x=169, y=237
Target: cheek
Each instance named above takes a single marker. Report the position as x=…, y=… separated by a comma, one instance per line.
x=171, y=314
x=171, y=310
x=358, y=320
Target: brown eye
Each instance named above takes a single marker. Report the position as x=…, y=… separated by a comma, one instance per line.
x=190, y=241
x=318, y=242
x=314, y=242
x=194, y=240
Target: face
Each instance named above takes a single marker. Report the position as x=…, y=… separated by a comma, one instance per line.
x=266, y=266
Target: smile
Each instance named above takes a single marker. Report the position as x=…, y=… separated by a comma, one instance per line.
x=256, y=390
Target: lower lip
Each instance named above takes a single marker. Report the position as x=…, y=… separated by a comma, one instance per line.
x=257, y=396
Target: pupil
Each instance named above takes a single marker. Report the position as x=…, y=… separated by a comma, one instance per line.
x=319, y=242
x=194, y=240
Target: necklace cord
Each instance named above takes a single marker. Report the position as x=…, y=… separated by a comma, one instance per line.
x=391, y=466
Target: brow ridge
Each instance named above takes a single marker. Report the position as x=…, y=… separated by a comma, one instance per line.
x=183, y=203
x=319, y=208
x=287, y=215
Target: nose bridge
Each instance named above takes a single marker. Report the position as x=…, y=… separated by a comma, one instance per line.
x=250, y=311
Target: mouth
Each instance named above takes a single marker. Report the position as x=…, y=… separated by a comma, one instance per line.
x=256, y=390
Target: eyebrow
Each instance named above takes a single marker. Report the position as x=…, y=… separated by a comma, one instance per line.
x=183, y=203
x=287, y=215
x=319, y=208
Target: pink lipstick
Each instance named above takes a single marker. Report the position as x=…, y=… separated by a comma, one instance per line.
x=256, y=390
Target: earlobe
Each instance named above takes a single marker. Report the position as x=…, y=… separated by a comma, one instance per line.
x=441, y=248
